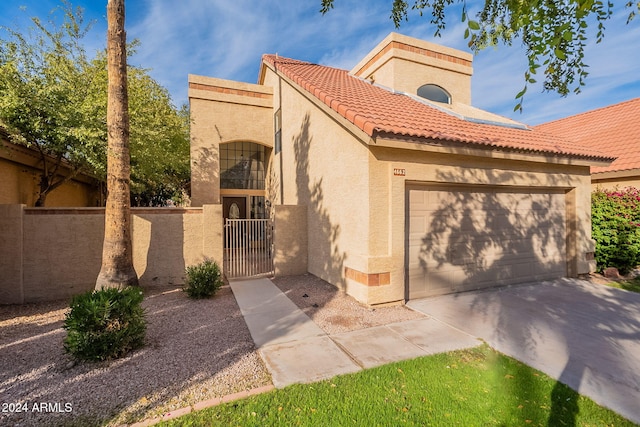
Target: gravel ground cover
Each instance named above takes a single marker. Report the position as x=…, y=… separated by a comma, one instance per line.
x=333, y=310
x=195, y=350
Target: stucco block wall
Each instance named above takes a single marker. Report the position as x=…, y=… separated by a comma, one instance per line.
x=326, y=171
x=167, y=241
x=56, y=253
x=20, y=184
x=211, y=234
x=290, y=240
x=11, y=219
x=223, y=111
x=62, y=252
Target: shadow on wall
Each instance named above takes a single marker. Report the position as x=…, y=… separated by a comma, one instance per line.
x=159, y=257
x=273, y=184
x=205, y=174
x=325, y=258
x=476, y=239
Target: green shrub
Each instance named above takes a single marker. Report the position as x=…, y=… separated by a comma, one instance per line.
x=615, y=219
x=105, y=324
x=203, y=280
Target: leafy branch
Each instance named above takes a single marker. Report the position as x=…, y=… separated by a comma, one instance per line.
x=554, y=33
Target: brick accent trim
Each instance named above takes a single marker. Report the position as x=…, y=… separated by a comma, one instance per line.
x=419, y=51
x=229, y=91
x=369, y=279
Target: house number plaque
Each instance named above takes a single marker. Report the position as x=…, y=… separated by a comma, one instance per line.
x=399, y=172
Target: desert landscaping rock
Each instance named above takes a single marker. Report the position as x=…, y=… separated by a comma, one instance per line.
x=333, y=310
x=195, y=350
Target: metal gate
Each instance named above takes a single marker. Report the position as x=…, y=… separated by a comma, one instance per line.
x=248, y=247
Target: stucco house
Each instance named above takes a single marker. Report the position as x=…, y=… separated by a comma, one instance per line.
x=408, y=190
x=614, y=130
x=20, y=171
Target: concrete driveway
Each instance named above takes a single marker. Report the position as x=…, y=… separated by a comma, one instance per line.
x=585, y=335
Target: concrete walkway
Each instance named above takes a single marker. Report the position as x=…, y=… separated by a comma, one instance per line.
x=296, y=350
x=586, y=336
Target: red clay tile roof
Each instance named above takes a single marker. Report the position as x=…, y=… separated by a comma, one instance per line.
x=377, y=110
x=614, y=130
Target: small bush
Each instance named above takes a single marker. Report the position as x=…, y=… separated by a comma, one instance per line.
x=615, y=219
x=105, y=324
x=203, y=280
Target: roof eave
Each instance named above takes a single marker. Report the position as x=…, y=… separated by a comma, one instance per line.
x=384, y=139
x=627, y=173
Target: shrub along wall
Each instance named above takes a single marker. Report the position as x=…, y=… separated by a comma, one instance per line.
x=48, y=254
x=615, y=218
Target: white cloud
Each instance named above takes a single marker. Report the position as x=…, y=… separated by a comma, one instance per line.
x=613, y=77
x=226, y=39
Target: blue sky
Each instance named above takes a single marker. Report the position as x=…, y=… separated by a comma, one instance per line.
x=225, y=39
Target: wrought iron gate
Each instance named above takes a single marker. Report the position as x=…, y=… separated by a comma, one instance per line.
x=248, y=247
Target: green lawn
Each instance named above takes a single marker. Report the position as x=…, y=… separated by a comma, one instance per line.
x=477, y=387
x=632, y=285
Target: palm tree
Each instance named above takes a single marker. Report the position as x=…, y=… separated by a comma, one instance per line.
x=117, y=258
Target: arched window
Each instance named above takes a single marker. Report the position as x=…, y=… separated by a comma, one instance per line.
x=242, y=165
x=434, y=93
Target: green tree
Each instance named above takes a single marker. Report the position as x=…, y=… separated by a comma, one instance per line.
x=159, y=142
x=42, y=81
x=159, y=135
x=54, y=99
x=554, y=32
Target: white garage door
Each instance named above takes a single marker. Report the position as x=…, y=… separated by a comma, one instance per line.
x=471, y=238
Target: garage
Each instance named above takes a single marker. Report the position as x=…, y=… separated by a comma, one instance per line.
x=462, y=238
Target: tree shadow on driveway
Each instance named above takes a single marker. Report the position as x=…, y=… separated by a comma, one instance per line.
x=585, y=335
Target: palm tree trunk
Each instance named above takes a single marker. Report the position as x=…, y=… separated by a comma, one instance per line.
x=117, y=258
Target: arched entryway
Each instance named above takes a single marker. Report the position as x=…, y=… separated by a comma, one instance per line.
x=247, y=227
x=243, y=166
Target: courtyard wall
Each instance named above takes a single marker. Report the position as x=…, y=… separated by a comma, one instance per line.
x=54, y=253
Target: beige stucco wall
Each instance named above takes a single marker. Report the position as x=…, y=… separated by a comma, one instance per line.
x=223, y=111
x=324, y=168
x=356, y=206
x=459, y=169
x=20, y=183
x=11, y=253
x=167, y=241
x=290, y=240
x=406, y=72
x=62, y=252
x=615, y=183
x=62, y=248
x=413, y=63
x=273, y=191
